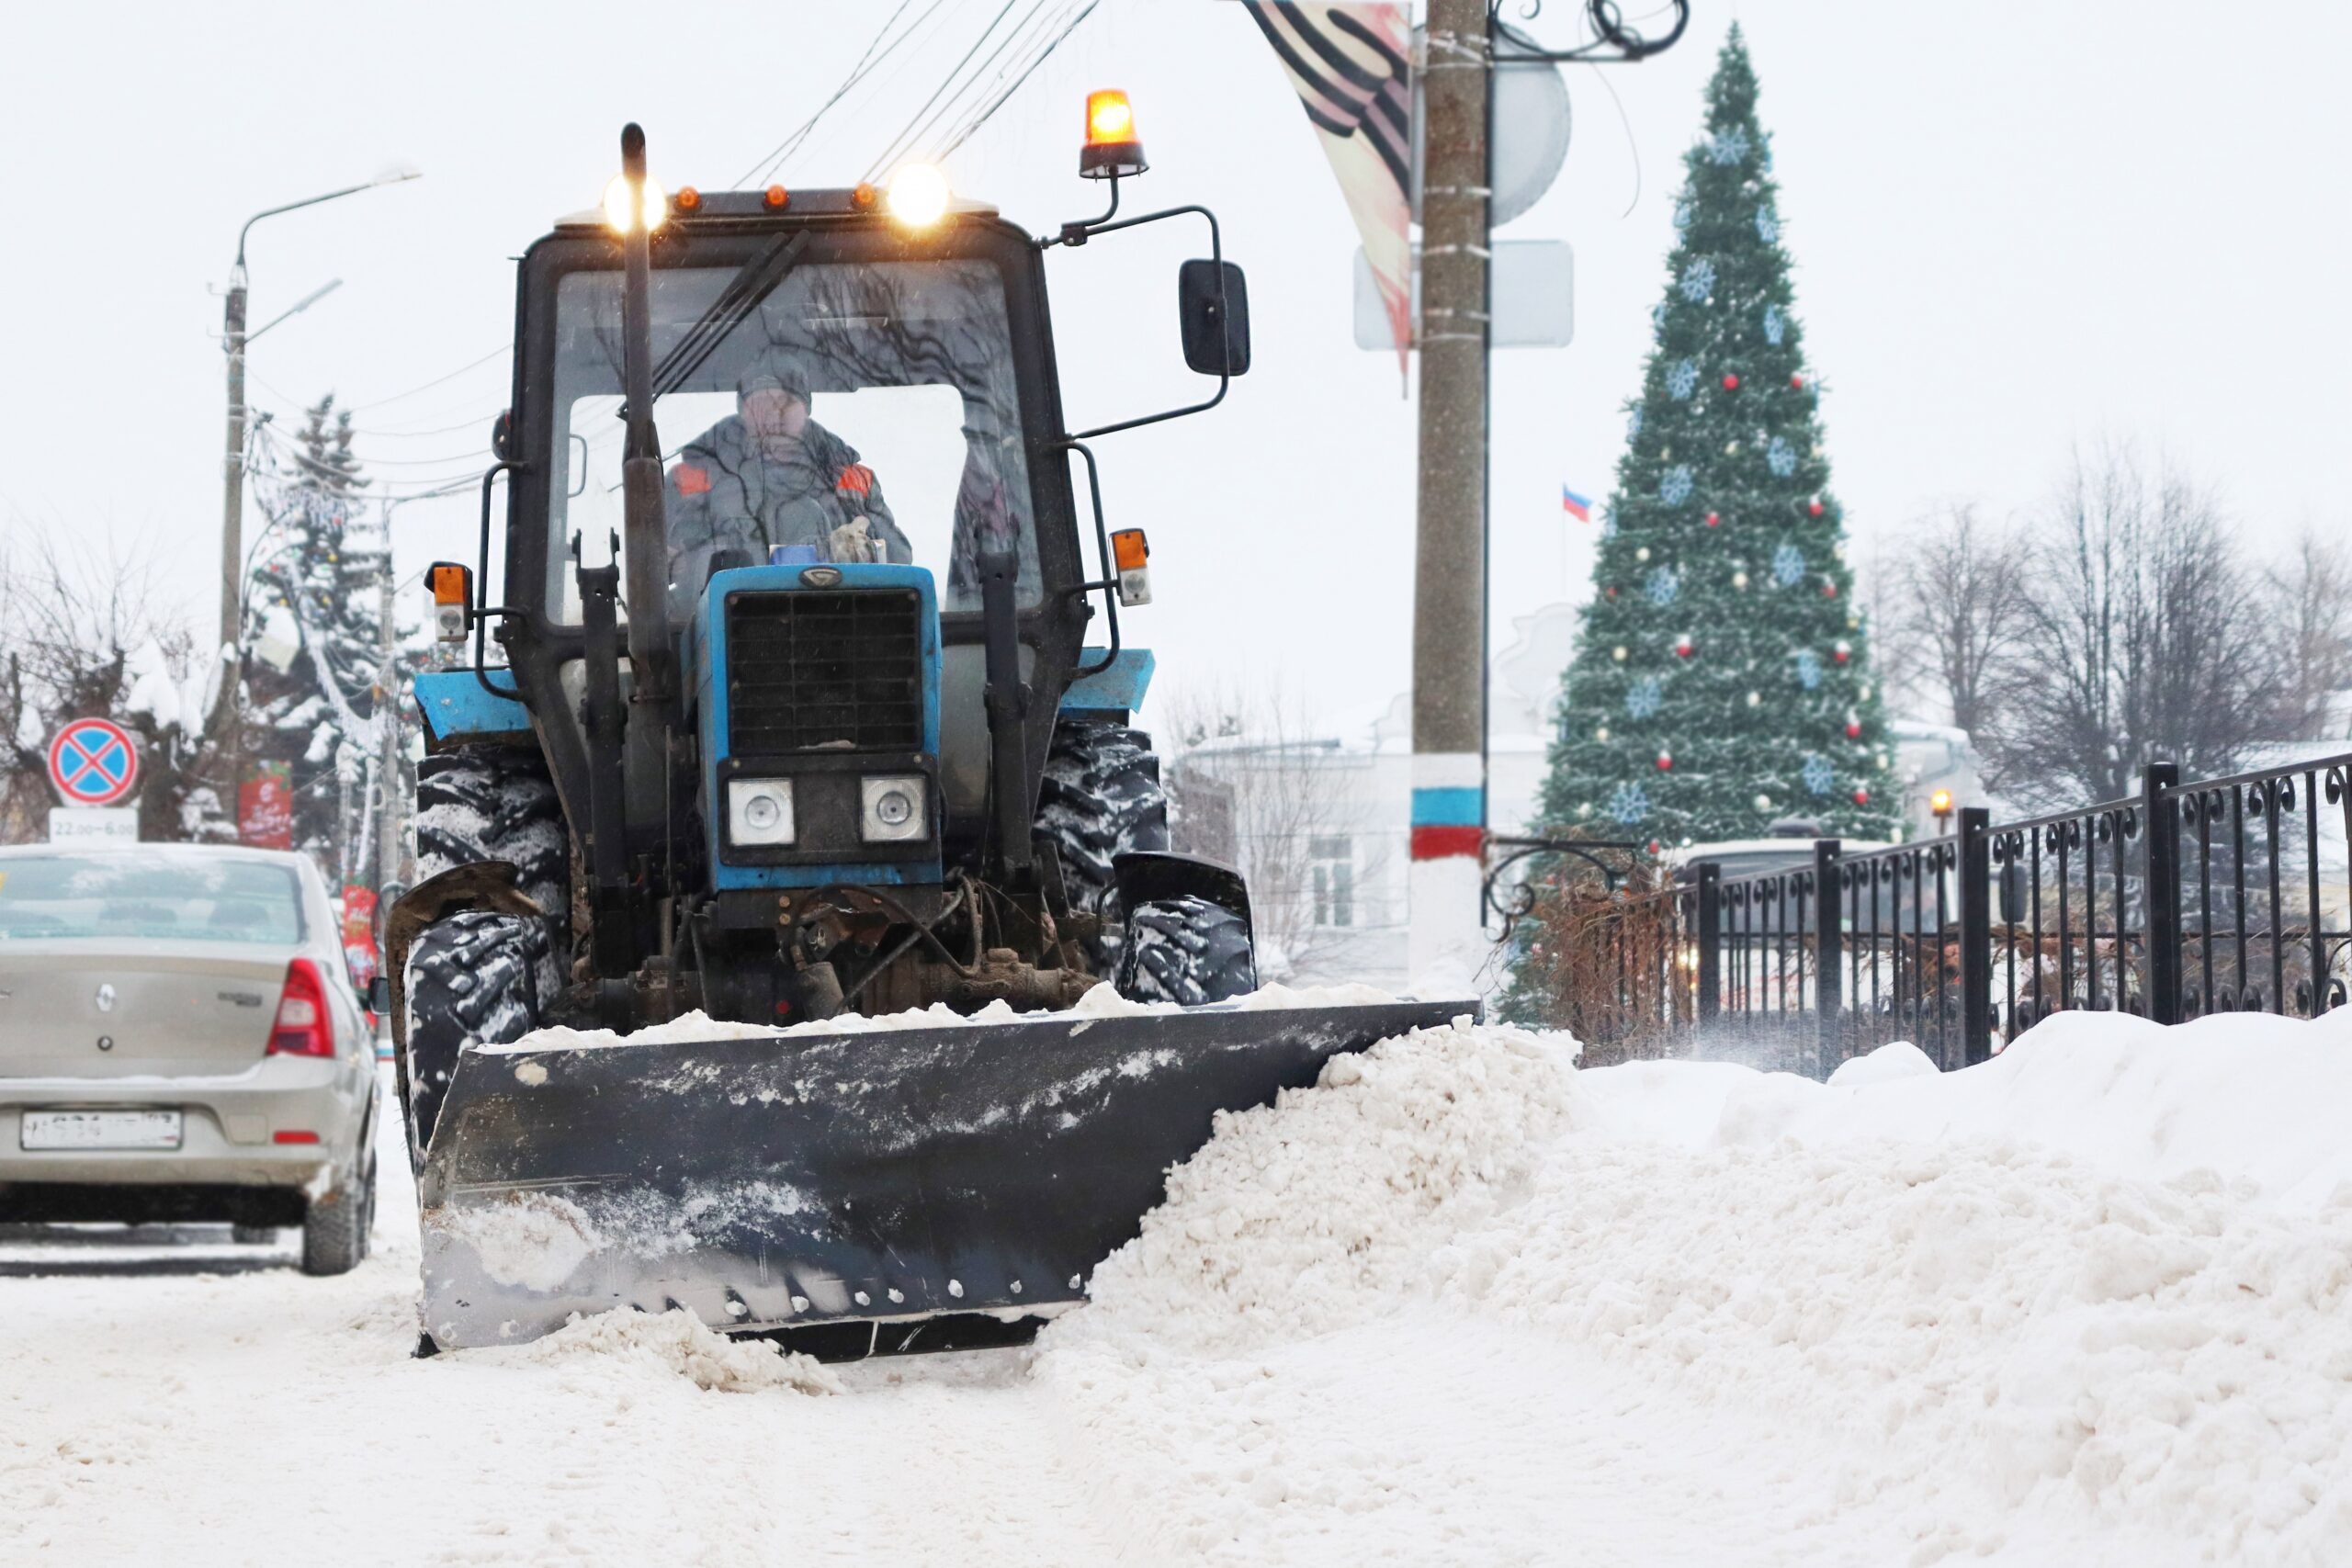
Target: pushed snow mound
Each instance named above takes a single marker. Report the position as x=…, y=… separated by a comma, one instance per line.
x=1996, y=1342
x=678, y=1344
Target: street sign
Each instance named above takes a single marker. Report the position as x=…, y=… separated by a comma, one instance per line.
x=1532, y=301
x=93, y=825
x=92, y=762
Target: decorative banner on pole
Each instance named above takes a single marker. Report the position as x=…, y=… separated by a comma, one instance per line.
x=1351, y=65
x=265, y=807
x=360, y=933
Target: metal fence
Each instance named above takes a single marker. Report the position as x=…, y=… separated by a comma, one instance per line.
x=2228, y=894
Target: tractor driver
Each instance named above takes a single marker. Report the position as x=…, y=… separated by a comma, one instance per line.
x=769, y=475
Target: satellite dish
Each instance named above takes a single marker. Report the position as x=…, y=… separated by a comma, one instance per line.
x=1531, y=121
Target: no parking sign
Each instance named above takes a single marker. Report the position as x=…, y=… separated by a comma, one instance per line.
x=92, y=762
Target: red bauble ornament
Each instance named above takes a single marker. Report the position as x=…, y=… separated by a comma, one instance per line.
x=1653, y=846
x=1682, y=645
x=1731, y=382
x=1798, y=382
x=1829, y=590
x=1862, y=797
x=1715, y=519
x=1815, y=509
x=1853, y=729
x=1613, y=593
x=1665, y=761
x=1842, y=652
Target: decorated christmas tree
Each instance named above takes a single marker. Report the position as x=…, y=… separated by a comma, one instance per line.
x=1721, y=678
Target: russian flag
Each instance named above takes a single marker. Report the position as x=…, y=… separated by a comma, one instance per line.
x=1574, y=506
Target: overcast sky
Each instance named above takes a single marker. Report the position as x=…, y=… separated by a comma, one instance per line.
x=2014, y=226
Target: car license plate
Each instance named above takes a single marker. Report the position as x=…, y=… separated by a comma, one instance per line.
x=100, y=1130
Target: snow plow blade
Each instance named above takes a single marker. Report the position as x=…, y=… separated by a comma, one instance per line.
x=870, y=1190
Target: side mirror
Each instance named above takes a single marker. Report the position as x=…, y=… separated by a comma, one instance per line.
x=502, y=436
x=1214, y=319
x=380, y=995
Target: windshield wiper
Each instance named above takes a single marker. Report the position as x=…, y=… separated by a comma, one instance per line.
x=750, y=286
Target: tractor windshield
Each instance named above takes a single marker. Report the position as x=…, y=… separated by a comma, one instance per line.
x=864, y=411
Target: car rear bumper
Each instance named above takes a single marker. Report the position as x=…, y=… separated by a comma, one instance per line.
x=231, y=1127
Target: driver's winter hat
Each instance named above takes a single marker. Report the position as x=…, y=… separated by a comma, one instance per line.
x=771, y=381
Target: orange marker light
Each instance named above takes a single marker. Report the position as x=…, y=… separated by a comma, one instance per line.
x=1109, y=118
x=776, y=198
x=688, y=199
x=452, y=598
x=448, y=584
x=866, y=194
x=1129, y=549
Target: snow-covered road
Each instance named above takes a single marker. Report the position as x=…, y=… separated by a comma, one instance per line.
x=1462, y=1304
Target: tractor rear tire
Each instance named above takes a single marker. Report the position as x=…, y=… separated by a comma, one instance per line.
x=1186, y=951
x=473, y=977
x=1102, y=797
x=496, y=802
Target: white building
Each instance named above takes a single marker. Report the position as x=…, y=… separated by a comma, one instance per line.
x=1320, y=823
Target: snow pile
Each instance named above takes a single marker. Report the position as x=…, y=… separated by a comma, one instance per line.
x=676, y=1343
x=535, y=1240
x=1988, y=1345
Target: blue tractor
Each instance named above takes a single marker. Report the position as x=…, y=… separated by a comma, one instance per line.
x=801, y=782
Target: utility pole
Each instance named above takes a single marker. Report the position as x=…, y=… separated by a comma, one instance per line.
x=232, y=460
x=1446, y=946
x=388, y=732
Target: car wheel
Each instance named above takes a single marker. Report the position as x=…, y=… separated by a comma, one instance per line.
x=1186, y=951
x=335, y=1233
x=252, y=1235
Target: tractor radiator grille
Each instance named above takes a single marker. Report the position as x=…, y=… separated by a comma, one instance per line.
x=824, y=667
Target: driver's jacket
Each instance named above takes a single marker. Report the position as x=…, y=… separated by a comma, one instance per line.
x=725, y=494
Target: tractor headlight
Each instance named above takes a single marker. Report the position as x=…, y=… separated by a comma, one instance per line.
x=893, y=809
x=759, y=811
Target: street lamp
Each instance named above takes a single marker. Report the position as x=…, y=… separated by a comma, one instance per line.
x=233, y=341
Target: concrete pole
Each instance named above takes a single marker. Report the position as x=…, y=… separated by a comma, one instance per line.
x=388, y=731
x=1446, y=948
x=233, y=461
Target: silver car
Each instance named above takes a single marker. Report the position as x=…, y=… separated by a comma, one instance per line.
x=179, y=1041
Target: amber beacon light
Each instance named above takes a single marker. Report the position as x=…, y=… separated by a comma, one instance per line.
x=1112, y=149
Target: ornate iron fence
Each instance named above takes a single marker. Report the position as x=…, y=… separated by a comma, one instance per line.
x=2231, y=893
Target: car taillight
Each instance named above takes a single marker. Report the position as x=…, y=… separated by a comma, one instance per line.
x=301, y=1028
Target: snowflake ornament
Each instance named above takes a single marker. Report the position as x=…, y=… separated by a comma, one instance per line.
x=1681, y=379
x=1788, y=565
x=1658, y=316
x=1699, y=280
x=1644, y=698
x=1781, y=456
x=1818, y=774
x=1768, y=226
x=1727, y=147
x=1663, y=586
x=1674, y=486
x=1776, y=325
x=1808, y=669
x=1630, y=804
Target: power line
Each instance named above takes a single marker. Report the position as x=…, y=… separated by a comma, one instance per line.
x=955, y=100
x=437, y=381
x=953, y=71
x=791, y=143
x=967, y=133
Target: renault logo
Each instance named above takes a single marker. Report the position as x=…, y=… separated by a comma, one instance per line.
x=106, y=999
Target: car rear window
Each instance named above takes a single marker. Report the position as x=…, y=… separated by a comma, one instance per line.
x=49, y=898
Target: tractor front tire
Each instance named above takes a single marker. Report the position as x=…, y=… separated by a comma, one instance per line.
x=496, y=802
x=1186, y=951
x=1101, y=798
x=474, y=977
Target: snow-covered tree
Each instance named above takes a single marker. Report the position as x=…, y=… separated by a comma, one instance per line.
x=311, y=627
